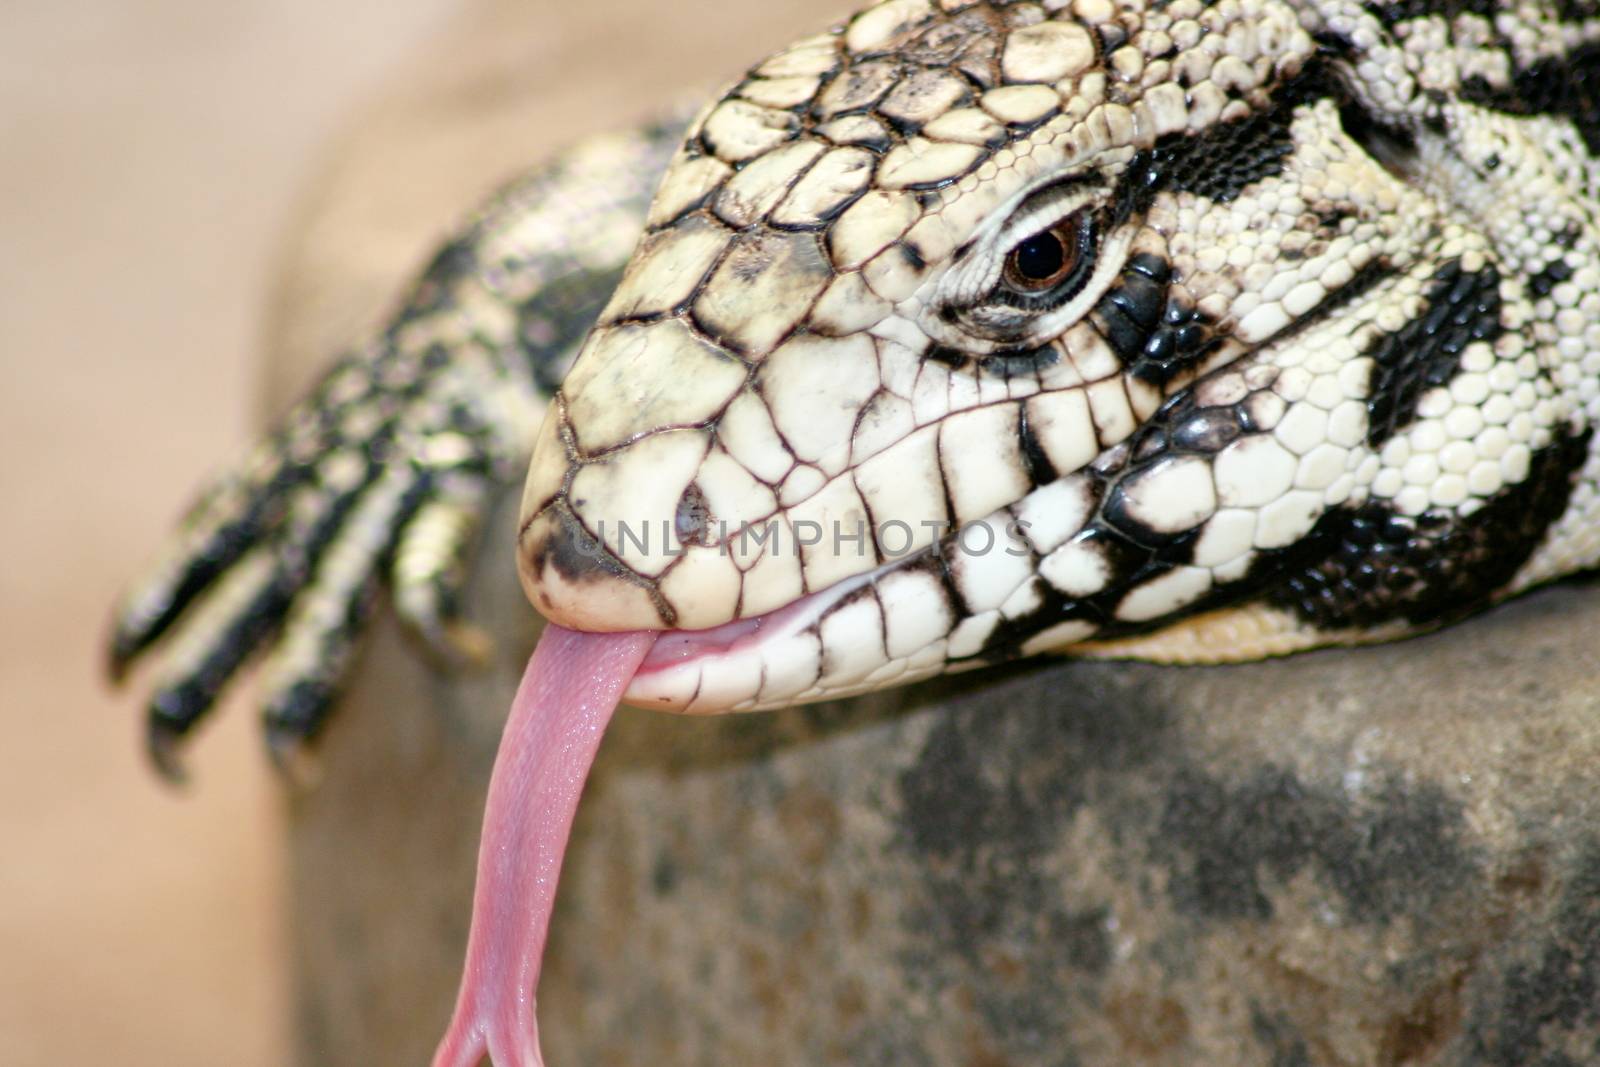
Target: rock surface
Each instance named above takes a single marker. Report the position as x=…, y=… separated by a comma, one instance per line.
x=1379, y=857
x=1383, y=856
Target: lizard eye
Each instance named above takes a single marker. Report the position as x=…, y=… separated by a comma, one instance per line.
x=1055, y=261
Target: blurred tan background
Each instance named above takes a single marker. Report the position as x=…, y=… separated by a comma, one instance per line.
x=173, y=214
x=150, y=157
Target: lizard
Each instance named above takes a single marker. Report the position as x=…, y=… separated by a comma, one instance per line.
x=966, y=331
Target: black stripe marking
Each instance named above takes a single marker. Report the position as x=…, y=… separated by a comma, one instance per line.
x=1362, y=567
x=1156, y=336
x=1568, y=87
x=1357, y=568
x=1220, y=162
x=1392, y=15
x=1039, y=469
x=552, y=322
x=1463, y=308
x=1134, y=553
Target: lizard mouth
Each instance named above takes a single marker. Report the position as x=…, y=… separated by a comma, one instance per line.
x=745, y=665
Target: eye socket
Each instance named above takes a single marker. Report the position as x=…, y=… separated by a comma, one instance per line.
x=1040, y=263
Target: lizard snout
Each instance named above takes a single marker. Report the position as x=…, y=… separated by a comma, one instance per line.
x=617, y=530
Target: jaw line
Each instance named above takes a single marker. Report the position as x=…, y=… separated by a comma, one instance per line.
x=670, y=677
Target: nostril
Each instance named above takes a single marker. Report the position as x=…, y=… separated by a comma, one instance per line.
x=693, y=520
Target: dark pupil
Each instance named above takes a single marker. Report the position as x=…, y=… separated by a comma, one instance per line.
x=1040, y=257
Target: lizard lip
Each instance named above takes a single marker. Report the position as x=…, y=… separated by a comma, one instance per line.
x=727, y=667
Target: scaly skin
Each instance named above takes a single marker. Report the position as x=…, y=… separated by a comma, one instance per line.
x=1320, y=365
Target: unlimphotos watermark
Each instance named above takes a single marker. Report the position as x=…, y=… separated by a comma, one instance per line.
x=894, y=539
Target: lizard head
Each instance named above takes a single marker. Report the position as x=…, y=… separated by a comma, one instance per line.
x=969, y=330
x=976, y=328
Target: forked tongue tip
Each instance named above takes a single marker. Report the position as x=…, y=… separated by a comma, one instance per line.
x=573, y=683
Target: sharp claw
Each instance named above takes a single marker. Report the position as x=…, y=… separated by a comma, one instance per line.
x=173, y=712
x=162, y=742
x=469, y=644
x=297, y=710
x=118, y=659
x=292, y=719
x=452, y=643
x=123, y=648
x=293, y=758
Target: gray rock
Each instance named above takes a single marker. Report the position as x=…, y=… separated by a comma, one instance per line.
x=1379, y=856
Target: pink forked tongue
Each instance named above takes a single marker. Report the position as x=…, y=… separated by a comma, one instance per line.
x=572, y=685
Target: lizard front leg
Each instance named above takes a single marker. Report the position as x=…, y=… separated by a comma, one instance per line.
x=381, y=475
